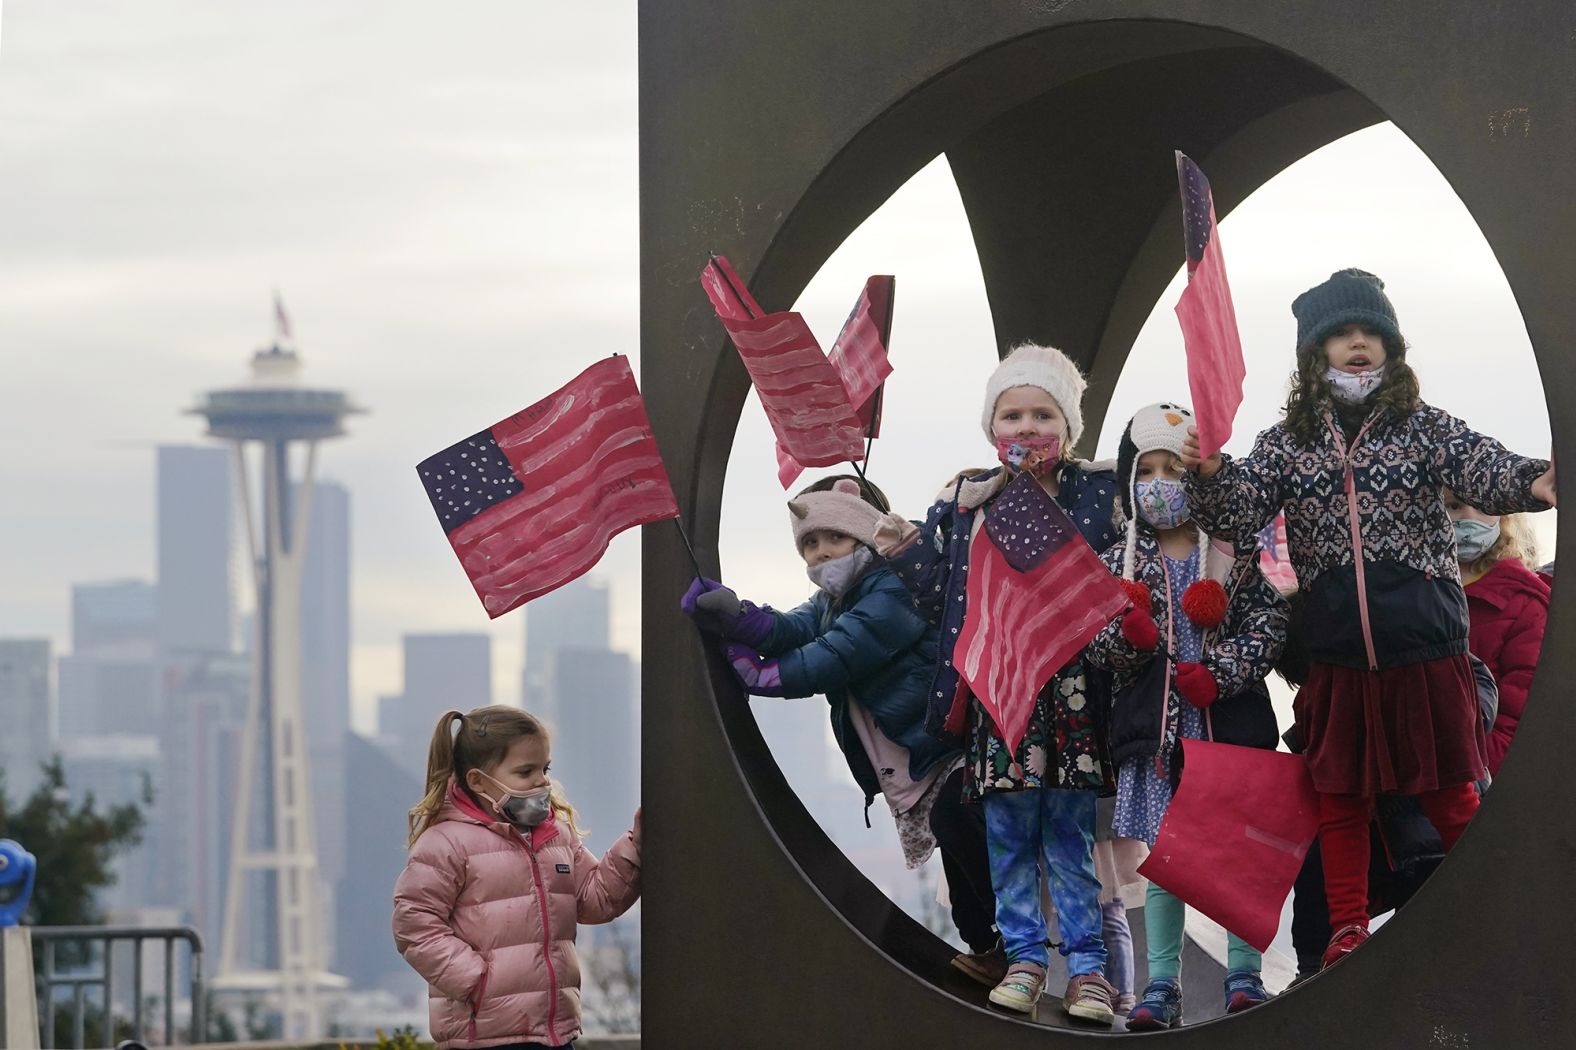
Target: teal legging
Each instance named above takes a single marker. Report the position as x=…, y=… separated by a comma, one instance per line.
x=1163, y=919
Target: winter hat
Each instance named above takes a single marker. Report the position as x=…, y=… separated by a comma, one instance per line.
x=1047, y=368
x=1350, y=296
x=1162, y=427
x=841, y=509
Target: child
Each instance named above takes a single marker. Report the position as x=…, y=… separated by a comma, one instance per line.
x=1358, y=464
x=860, y=642
x=1225, y=625
x=1507, y=604
x=486, y=908
x=1041, y=797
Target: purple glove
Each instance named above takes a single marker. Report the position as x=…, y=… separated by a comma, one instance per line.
x=717, y=609
x=758, y=674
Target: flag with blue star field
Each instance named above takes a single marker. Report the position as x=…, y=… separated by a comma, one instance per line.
x=1037, y=594
x=531, y=502
x=1215, y=369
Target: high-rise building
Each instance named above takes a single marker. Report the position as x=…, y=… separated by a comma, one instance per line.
x=117, y=770
x=379, y=792
x=28, y=710
x=596, y=738
x=106, y=695
x=441, y=671
x=325, y=668
x=576, y=614
x=196, y=495
x=117, y=618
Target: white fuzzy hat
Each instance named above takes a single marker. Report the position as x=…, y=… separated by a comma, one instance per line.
x=1040, y=366
x=841, y=509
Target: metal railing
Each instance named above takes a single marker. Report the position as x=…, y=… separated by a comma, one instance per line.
x=45, y=940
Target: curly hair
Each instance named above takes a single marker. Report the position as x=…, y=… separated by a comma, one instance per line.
x=1309, y=399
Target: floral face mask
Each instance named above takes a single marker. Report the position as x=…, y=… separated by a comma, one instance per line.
x=1036, y=456
x=1162, y=502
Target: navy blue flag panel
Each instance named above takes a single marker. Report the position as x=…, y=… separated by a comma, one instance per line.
x=1198, y=210
x=1027, y=525
x=466, y=478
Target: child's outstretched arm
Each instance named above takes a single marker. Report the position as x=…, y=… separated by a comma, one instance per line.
x=1483, y=472
x=606, y=888
x=1232, y=499
x=1250, y=654
x=424, y=898
x=862, y=639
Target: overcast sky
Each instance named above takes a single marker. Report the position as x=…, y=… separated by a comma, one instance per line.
x=448, y=204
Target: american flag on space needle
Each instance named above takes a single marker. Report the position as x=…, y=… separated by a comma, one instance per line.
x=1215, y=369
x=531, y=502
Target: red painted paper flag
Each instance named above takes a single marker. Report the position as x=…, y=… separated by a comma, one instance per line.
x=860, y=357
x=1209, y=322
x=801, y=392
x=1234, y=837
x=1274, y=558
x=531, y=502
x=1037, y=594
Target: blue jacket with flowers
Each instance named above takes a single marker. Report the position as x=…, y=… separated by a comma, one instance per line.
x=936, y=567
x=872, y=644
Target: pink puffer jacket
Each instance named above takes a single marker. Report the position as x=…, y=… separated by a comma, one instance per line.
x=488, y=917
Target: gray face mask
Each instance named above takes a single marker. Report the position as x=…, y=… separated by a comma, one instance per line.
x=1474, y=538
x=835, y=577
x=523, y=809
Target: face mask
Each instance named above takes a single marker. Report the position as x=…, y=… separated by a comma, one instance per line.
x=1162, y=502
x=1352, y=388
x=836, y=576
x=1037, y=456
x=523, y=809
x=1474, y=538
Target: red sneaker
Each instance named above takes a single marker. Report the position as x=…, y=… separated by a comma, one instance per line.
x=1345, y=941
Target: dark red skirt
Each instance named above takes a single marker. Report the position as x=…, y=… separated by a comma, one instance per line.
x=1403, y=731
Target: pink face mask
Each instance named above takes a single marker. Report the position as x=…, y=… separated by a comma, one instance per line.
x=1037, y=456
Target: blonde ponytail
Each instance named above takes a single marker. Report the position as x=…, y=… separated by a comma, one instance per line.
x=440, y=767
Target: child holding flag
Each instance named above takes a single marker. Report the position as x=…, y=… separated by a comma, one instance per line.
x=860, y=642
x=1039, y=797
x=1358, y=464
x=1226, y=626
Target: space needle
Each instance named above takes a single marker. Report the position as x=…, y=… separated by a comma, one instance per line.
x=273, y=941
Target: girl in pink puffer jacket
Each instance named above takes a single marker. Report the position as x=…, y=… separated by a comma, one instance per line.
x=486, y=907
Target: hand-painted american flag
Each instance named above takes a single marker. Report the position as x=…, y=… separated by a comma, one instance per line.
x=1037, y=594
x=531, y=502
x=860, y=358
x=1274, y=558
x=1215, y=369
x=802, y=394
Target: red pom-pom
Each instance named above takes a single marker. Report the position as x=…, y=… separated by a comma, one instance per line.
x=1138, y=594
x=1204, y=603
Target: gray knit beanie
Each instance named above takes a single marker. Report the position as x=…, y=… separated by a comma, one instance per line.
x=1350, y=296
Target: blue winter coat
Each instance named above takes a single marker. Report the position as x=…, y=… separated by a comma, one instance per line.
x=874, y=645
x=936, y=568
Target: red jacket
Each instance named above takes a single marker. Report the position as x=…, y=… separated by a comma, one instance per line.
x=1508, y=605
x=488, y=917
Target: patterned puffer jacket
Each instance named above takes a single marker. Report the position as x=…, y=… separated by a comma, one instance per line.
x=1402, y=603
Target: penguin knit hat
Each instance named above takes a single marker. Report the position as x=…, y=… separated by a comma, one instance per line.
x=1040, y=366
x=1350, y=296
x=1159, y=427
x=841, y=509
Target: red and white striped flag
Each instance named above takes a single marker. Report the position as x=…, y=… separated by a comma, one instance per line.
x=802, y=394
x=531, y=502
x=1215, y=368
x=1037, y=594
x=1274, y=557
x=860, y=357
x=282, y=333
